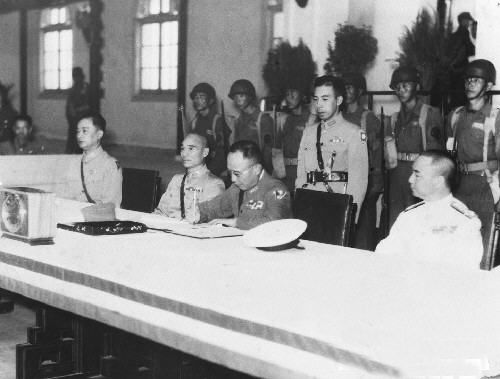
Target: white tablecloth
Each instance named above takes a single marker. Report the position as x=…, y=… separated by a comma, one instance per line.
x=324, y=312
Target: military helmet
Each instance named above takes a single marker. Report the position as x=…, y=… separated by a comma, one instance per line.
x=355, y=79
x=404, y=74
x=243, y=86
x=465, y=16
x=203, y=88
x=481, y=68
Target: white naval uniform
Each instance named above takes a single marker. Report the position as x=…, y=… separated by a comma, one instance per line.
x=444, y=231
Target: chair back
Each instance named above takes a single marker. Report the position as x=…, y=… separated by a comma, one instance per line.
x=140, y=189
x=329, y=216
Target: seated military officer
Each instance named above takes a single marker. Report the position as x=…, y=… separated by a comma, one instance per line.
x=254, y=197
x=101, y=174
x=440, y=228
x=196, y=184
x=25, y=141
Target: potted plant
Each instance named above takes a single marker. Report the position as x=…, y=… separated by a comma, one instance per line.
x=353, y=50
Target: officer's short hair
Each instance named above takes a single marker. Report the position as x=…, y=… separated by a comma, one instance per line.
x=336, y=83
x=203, y=139
x=97, y=120
x=24, y=117
x=331, y=81
x=249, y=149
x=445, y=166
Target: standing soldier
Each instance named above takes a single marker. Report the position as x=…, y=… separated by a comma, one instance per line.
x=77, y=105
x=415, y=128
x=355, y=87
x=252, y=124
x=291, y=125
x=209, y=124
x=7, y=116
x=333, y=149
x=474, y=132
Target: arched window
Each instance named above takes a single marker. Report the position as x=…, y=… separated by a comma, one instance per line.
x=158, y=45
x=56, y=49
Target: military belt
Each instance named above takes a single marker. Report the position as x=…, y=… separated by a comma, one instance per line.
x=327, y=177
x=291, y=161
x=409, y=157
x=477, y=168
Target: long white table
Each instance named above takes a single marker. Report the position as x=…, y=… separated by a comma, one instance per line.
x=322, y=312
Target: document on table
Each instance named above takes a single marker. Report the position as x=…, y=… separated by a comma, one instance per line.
x=183, y=228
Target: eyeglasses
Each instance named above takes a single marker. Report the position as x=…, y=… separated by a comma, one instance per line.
x=237, y=173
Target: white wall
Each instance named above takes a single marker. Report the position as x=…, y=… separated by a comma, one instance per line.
x=388, y=18
x=9, y=56
x=49, y=113
x=487, y=14
x=315, y=24
x=226, y=42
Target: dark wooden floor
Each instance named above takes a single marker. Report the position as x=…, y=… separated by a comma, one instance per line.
x=13, y=331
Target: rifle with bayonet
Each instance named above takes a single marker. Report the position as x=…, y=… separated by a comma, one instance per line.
x=384, y=216
x=226, y=130
x=492, y=255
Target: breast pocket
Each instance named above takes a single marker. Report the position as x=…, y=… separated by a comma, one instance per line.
x=309, y=154
x=335, y=151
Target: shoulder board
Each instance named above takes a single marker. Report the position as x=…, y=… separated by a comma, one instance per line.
x=462, y=209
x=414, y=206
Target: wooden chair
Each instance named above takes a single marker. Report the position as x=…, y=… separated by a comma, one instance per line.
x=329, y=216
x=140, y=189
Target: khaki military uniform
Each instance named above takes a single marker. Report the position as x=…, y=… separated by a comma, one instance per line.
x=7, y=117
x=348, y=142
x=212, y=128
x=103, y=178
x=292, y=127
x=406, y=128
x=444, y=231
x=31, y=147
x=366, y=234
x=199, y=186
x=478, y=149
x=268, y=200
x=257, y=127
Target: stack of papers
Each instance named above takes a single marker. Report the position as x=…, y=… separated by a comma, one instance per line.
x=183, y=228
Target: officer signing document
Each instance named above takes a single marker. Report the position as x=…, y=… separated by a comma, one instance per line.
x=254, y=197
